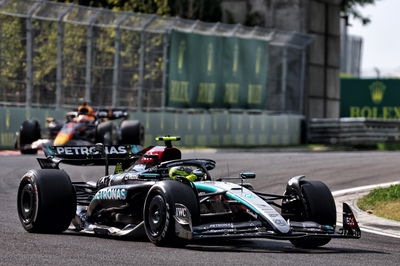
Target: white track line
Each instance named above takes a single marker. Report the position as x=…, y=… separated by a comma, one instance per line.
x=372, y=231
x=365, y=188
x=357, y=189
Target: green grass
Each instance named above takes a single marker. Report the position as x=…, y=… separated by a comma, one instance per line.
x=383, y=202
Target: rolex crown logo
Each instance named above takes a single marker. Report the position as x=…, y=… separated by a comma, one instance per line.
x=377, y=90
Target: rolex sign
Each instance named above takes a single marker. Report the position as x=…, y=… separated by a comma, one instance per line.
x=370, y=98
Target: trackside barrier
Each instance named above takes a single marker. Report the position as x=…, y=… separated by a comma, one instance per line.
x=196, y=129
x=353, y=131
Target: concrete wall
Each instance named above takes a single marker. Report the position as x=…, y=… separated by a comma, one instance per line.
x=202, y=129
x=324, y=59
x=320, y=18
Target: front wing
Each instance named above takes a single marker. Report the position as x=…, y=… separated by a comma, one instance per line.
x=257, y=229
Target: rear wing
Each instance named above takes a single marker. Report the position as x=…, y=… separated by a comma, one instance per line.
x=89, y=155
x=114, y=113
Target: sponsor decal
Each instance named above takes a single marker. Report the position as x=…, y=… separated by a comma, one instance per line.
x=111, y=194
x=164, y=232
x=351, y=221
x=131, y=176
x=249, y=196
x=279, y=222
x=181, y=212
x=377, y=90
x=222, y=225
x=81, y=150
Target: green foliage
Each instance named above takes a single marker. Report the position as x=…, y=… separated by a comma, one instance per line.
x=204, y=10
x=254, y=19
x=347, y=75
x=391, y=146
x=380, y=195
x=349, y=7
x=159, y=7
x=12, y=53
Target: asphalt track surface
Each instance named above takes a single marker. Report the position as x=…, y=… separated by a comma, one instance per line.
x=339, y=170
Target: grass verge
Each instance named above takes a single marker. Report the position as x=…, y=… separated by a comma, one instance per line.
x=383, y=202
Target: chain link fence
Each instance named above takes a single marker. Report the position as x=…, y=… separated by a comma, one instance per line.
x=54, y=55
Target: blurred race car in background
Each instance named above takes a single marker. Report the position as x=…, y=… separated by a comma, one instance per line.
x=173, y=201
x=82, y=127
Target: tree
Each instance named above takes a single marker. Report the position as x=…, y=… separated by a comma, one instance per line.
x=349, y=8
x=205, y=10
x=159, y=7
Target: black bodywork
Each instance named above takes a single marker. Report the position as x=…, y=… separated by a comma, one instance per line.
x=140, y=198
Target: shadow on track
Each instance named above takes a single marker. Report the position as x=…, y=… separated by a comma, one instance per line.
x=266, y=246
x=241, y=245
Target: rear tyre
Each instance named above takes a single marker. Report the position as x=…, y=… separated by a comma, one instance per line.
x=106, y=133
x=319, y=206
x=46, y=201
x=160, y=209
x=132, y=132
x=28, y=133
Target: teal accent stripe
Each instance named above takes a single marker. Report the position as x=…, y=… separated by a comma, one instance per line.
x=206, y=187
x=243, y=202
x=215, y=189
x=49, y=150
x=134, y=149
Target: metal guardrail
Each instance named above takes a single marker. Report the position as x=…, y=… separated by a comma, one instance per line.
x=353, y=131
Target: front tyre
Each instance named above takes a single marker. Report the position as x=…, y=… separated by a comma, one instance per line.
x=46, y=201
x=160, y=208
x=158, y=219
x=318, y=206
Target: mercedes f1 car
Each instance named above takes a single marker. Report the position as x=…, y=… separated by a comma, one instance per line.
x=172, y=201
x=81, y=128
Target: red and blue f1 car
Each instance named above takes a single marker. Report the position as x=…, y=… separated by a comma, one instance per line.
x=141, y=197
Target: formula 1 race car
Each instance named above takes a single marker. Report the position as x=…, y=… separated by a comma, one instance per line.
x=81, y=128
x=172, y=201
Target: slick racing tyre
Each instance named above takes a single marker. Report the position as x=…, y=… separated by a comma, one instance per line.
x=132, y=132
x=318, y=206
x=161, y=207
x=46, y=201
x=106, y=133
x=28, y=133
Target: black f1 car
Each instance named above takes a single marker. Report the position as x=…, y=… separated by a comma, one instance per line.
x=81, y=128
x=172, y=201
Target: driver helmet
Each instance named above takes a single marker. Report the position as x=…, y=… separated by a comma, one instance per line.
x=183, y=171
x=85, y=109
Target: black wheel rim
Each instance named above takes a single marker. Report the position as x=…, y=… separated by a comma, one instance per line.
x=156, y=216
x=27, y=203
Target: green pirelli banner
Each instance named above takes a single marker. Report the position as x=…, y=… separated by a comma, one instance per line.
x=217, y=72
x=370, y=98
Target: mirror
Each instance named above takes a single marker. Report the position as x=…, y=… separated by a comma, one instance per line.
x=248, y=175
